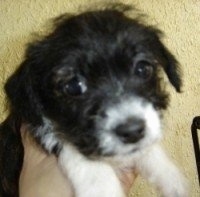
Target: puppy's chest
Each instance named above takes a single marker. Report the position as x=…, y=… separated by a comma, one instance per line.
x=92, y=177
x=71, y=160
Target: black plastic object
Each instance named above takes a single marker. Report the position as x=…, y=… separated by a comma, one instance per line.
x=194, y=129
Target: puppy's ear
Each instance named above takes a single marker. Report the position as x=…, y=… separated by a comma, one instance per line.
x=21, y=96
x=171, y=67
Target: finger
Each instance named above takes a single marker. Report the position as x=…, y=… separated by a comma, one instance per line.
x=40, y=175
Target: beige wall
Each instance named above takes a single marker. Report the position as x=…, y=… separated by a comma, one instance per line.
x=180, y=20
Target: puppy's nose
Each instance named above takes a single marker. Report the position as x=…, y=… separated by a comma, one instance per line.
x=131, y=131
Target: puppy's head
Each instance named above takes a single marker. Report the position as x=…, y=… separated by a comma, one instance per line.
x=98, y=78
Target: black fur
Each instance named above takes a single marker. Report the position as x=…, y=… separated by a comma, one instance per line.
x=99, y=47
x=11, y=156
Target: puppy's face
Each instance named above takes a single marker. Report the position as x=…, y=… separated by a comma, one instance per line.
x=98, y=78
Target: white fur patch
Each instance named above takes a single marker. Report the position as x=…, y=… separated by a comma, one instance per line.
x=89, y=178
x=118, y=114
x=98, y=178
x=157, y=168
x=47, y=136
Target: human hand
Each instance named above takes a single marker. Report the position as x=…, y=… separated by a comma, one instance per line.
x=42, y=177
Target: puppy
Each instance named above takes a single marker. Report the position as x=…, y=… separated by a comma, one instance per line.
x=92, y=93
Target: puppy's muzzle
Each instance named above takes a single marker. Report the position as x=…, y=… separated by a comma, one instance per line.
x=131, y=131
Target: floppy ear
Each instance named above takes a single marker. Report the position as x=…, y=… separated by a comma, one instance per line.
x=172, y=69
x=21, y=96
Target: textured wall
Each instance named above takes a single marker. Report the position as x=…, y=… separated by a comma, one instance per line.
x=180, y=21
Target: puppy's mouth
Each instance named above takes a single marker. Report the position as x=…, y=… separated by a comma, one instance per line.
x=113, y=153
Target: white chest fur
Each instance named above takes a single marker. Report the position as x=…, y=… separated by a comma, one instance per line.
x=89, y=178
x=98, y=178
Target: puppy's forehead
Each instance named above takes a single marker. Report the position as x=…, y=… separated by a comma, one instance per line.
x=103, y=30
x=102, y=40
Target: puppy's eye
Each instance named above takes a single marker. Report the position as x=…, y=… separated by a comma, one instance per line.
x=75, y=87
x=143, y=69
